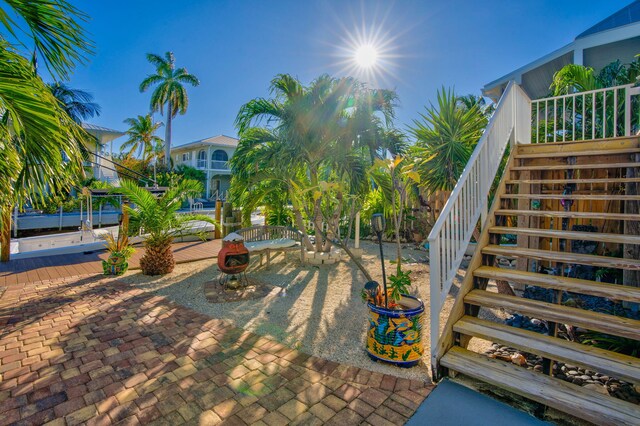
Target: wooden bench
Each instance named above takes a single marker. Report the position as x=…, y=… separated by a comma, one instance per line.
x=265, y=239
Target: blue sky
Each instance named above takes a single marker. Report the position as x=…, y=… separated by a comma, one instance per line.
x=237, y=47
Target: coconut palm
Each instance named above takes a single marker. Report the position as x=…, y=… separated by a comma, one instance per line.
x=445, y=138
x=157, y=217
x=77, y=103
x=142, y=138
x=170, y=91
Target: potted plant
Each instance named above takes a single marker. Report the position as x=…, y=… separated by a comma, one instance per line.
x=119, y=253
x=395, y=318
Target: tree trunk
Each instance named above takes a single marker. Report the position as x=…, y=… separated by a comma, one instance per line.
x=5, y=233
x=297, y=215
x=352, y=215
x=333, y=224
x=167, y=138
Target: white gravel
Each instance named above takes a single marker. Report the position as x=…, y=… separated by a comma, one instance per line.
x=320, y=311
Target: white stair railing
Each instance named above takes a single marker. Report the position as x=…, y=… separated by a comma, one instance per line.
x=595, y=114
x=468, y=201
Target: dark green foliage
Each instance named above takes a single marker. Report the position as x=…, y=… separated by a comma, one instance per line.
x=446, y=135
x=617, y=344
x=399, y=284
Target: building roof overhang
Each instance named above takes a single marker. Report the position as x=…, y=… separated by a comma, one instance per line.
x=495, y=88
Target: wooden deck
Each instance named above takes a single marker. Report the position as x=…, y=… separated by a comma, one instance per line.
x=70, y=265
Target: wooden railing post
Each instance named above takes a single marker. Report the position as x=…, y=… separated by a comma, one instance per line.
x=435, y=283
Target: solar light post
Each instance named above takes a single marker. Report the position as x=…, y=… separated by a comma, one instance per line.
x=377, y=223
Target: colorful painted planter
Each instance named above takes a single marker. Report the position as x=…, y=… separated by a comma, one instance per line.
x=395, y=335
x=115, y=265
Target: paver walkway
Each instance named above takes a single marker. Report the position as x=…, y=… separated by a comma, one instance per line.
x=76, y=264
x=93, y=350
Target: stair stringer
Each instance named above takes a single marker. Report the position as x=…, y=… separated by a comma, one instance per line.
x=448, y=338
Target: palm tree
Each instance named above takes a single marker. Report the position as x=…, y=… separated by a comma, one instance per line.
x=77, y=103
x=169, y=91
x=445, y=138
x=53, y=28
x=317, y=141
x=158, y=218
x=34, y=130
x=142, y=137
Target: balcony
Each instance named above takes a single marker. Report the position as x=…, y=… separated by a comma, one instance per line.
x=202, y=164
x=219, y=165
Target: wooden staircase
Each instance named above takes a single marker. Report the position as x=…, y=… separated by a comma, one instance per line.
x=546, y=191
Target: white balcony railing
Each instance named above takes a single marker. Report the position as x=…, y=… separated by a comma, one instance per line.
x=468, y=202
x=596, y=114
x=219, y=165
x=202, y=164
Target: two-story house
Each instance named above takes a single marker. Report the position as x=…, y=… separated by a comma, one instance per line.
x=211, y=155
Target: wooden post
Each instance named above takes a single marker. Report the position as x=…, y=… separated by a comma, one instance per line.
x=227, y=215
x=237, y=218
x=218, y=215
x=5, y=233
x=15, y=222
x=125, y=216
x=357, y=243
x=631, y=227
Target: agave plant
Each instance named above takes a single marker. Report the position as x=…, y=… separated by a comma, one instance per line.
x=158, y=218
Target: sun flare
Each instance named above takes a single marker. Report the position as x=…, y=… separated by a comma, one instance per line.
x=366, y=56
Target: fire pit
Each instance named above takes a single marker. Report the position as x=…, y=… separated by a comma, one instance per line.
x=233, y=260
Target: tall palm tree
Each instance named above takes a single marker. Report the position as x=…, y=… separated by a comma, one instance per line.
x=159, y=220
x=170, y=91
x=142, y=137
x=445, y=138
x=77, y=103
x=34, y=130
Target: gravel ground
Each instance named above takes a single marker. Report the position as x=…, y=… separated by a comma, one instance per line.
x=319, y=311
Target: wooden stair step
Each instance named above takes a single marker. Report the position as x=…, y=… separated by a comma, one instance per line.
x=568, y=235
x=605, y=197
x=570, y=215
x=565, y=181
x=576, y=166
x=575, y=285
x=575, y=400
x=564, y=257
x=620, y=366
x=630, y=150
x=590, y=320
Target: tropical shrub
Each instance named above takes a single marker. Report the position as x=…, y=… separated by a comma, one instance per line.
x=314, y=151
x=158, y=219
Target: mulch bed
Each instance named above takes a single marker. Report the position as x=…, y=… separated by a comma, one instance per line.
x=255, y=289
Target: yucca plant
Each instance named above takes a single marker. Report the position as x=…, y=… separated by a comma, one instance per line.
x=159, y=220
x=119, y=246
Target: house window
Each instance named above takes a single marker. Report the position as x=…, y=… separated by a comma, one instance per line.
x=186, y=157
x=202, y=159
x=219, y=159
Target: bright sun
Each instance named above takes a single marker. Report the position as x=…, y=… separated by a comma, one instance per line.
x=366, y=56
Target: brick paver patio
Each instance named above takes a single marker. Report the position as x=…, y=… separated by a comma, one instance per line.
x=95, y=351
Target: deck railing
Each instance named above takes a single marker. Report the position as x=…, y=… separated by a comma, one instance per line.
x=596, y=114
x=468, y=202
